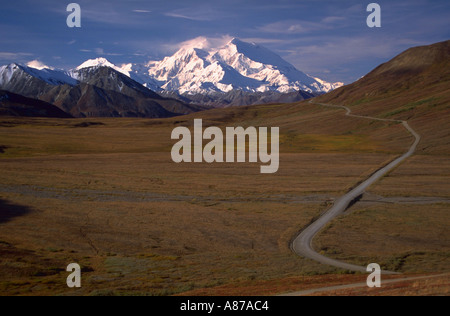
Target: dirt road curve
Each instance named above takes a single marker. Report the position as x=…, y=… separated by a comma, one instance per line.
x=302, y=245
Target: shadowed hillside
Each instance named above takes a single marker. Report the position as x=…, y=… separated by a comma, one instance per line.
x=16, y=105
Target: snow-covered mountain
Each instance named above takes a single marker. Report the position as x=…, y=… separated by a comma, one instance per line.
x=31, y=82
x=137, y=72
x=14, y=72
x=236, y=66
x=95, y=64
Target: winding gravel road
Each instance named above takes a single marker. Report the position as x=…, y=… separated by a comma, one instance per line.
x=302, y=245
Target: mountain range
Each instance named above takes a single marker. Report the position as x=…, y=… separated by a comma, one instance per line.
x=193, y=79
x=90, y=92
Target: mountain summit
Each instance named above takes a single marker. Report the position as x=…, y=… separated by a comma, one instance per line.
x=238, y=65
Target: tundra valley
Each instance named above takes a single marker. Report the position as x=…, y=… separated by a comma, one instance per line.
x=88, y=176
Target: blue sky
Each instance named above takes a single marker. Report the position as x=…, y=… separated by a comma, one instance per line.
x=325, y=38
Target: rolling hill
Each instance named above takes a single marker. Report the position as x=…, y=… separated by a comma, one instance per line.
x=12, y=104
x=414, y=86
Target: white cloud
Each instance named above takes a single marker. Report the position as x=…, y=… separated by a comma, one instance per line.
x=333, y=19
x=20, y=57
x=38, y=65
x=262, y=40
x=201, y=42
x=177, y=15
x=99, y=51
x=301, y=26
x=291, y=27
x=198, y=14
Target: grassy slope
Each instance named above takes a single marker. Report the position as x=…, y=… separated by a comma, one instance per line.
x=414, y=86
